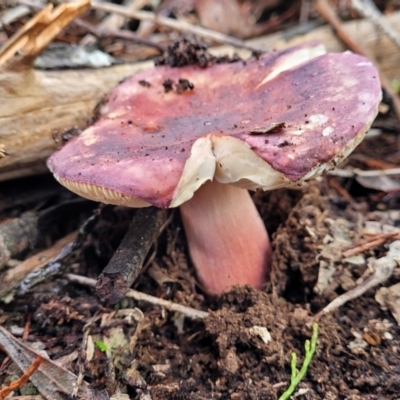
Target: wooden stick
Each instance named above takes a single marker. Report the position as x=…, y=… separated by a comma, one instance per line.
x=127, y=262
x=368, y=9
x=118, y=34
x=384, y=268
x=20, y=51
x=36, y=105
x=181, y=26
x=369, y=243
x=139, y=296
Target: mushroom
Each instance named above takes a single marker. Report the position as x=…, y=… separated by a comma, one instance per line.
x=200, y=138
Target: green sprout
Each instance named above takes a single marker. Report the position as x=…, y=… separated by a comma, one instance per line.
x=296, y=376
x=101, y=346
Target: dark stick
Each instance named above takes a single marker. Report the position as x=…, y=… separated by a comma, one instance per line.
x=126, y=263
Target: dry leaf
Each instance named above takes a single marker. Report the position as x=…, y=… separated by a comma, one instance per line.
x=390, y=298
x=51, y=380
x=22, y=48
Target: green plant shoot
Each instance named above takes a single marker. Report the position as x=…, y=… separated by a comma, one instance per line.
x=101, y=346
x=296, y=376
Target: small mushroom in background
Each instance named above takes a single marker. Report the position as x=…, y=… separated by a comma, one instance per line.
x=272, y=122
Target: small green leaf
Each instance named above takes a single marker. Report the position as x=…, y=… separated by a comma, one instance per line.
x=101, y=345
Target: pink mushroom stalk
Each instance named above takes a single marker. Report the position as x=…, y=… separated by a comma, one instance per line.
x=272, y=122
x=227, y=239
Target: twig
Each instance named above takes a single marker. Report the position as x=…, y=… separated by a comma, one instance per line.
x=334, y=183
x=111, y=21
x=23, y=380
x=372, y=162
x=27, y=327
x=369, y=243
x=5, y=363
x=329, y=14
x=139, y=296
x=127, y=261
x=181, y=26
x=297, y=376
x=368, y=9
x=100, y=31
x=350, y=173
x=169, y=305
x=117, y=33
x=384, y=268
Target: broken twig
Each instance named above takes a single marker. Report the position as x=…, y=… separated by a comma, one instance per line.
x=43, y=265
x=139, y=296
x=21, y=50
x=24, y=272
x=119, y=34
x=368, y=9
x=350, y=173
x=127, y=261
x=181, y=26
x=369, y=243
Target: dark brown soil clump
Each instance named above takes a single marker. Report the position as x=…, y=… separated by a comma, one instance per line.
x=186, y=51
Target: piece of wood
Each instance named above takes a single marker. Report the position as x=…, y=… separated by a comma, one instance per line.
x=37, y=104
x=127, y=262
x=22, y=48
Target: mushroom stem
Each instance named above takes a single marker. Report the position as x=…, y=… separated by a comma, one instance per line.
x=227, y=239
